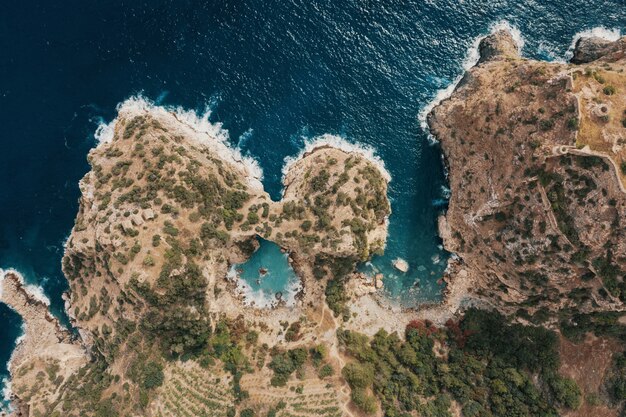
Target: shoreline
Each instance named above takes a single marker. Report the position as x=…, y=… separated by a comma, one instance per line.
x=331, y=141
x=198, y=127
x=43, y=337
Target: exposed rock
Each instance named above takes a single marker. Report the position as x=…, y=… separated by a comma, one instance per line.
x=139, y=281
x=525, y=221
x=45, y=345
x=593, y=48
x=400, y=264
x=378, y=281
x=148, y=214
x=499, y=45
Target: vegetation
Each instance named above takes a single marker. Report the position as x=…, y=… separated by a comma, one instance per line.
x=489, y=369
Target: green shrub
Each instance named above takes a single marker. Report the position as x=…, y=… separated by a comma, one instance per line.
x=153, y=375
x=609, y=90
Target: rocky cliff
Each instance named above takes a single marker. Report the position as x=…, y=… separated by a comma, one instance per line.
x=535, y=157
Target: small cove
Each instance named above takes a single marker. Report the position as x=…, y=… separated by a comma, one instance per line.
x=266, y=277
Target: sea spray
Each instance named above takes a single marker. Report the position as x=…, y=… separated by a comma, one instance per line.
x=191, y=123
x=6, y=393
x=471, y=59
x=35, y=291
x=596, y=32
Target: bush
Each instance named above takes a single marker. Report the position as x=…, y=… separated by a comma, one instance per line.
x=565, y=391
x=572, y=124
x=325, y=371
x=609, y=90
x=358, y=375
x=365, y=402
x=248, y=412
x=153, y=375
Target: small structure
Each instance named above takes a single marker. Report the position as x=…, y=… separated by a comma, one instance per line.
x=148, y=214
x=127, y=226
x=400, y=264
x=136, y=219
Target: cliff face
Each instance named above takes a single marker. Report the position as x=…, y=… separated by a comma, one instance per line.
x=537, y=205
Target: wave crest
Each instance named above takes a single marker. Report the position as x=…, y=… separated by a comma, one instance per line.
x=35, y=291
x=471, y=59
x=595, y=32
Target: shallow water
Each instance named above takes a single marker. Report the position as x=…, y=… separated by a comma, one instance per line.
x=265, y=274
x=276, y=73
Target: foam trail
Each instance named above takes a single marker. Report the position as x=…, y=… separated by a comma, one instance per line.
x=596, y=32
x=245, y=137
x=35, y=291
x=192, y=124
x=6, y=395
x=338, y=142
x=471, y=59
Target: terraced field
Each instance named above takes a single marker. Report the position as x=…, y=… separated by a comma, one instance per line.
x=308, y=397
x=191, y=391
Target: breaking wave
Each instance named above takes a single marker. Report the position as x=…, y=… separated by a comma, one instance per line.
x=338, y=142
x=471, y=59
x=191, y=123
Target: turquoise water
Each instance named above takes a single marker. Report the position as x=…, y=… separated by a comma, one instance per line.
x=265, y=274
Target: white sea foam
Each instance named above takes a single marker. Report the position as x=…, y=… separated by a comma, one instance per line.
x=6, y=394
x=471, y=59
x=245, y=137
x=445, y=192
x=338, y=142
x=597, y=32
x=263, y=299
x=105, y=131
x=35, y=291
x=191, y=124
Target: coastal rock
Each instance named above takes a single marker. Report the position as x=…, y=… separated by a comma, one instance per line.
x=147, y=285
x=378, y=281
x=45, y=344
x=498, y=45
x=401, y=265
x=593, y=48
x=519, y=216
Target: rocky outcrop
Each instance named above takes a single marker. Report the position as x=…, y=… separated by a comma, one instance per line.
x=534, y=228
x=165, y=211
x=500, y=45
x=591, y=49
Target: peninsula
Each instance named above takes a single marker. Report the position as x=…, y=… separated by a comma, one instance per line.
x=533, y=318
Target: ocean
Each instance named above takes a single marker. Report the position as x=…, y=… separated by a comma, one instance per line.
x=275, y=74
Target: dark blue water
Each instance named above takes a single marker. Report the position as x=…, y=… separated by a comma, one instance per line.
x=280, y=70
x=10, y=329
